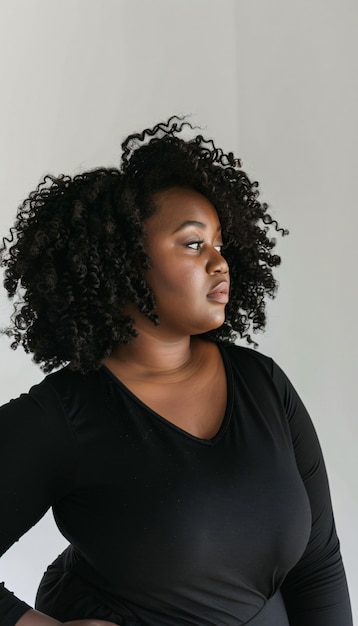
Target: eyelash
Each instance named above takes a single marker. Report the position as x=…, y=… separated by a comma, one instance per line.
x=199, y=244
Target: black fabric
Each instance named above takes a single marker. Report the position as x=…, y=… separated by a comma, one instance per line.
x=166, y=528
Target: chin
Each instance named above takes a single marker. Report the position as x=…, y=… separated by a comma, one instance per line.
x=213, y=326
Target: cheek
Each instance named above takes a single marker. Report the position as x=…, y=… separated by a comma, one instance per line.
x=167, y=275
x=166, y=283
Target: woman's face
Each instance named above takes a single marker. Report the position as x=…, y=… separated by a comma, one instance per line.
x=189, y=277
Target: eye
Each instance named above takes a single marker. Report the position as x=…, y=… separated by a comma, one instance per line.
x=195, y=245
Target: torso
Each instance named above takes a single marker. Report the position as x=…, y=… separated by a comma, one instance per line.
x=194, y=400
x=185, y=530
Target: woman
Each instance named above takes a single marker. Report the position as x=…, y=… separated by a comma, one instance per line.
x=183, y=470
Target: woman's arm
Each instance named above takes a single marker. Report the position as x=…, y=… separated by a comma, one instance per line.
x=315, y=590
x=37, y=460
x=35, y=618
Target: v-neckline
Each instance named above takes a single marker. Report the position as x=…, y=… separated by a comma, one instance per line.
x=227, y=414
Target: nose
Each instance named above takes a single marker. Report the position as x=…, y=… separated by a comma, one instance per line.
x=216, y=263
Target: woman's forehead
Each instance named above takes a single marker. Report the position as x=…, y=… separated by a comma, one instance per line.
x=179, y=205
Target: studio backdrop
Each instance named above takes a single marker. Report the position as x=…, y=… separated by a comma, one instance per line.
x=275, y=82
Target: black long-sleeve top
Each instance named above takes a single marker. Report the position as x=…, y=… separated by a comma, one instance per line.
x=165, y=528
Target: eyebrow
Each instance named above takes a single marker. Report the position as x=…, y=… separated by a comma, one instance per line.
x=193, y=223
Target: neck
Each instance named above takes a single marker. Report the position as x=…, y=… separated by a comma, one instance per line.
x=155, y=352
x=156, y=356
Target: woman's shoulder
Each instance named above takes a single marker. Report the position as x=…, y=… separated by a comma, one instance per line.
x=36, y=421
x=55, y=387
x=54, y=400
x=259, y=370
x=67, y=380
x=78, y=394
x=244, y=357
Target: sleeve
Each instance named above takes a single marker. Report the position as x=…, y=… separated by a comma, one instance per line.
x=315, y=590
x=37, y=460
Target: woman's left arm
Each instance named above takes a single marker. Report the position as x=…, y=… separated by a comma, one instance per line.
x=315, y=590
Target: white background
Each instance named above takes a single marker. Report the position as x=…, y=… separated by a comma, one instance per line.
x=274, y=81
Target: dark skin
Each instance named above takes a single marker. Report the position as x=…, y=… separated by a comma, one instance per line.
x=174, y=372
x=168, y=367
x=35, y=618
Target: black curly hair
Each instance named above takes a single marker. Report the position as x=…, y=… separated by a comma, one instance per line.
x=75, y=254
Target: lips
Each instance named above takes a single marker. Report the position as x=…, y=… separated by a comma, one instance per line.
x=220, y=293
